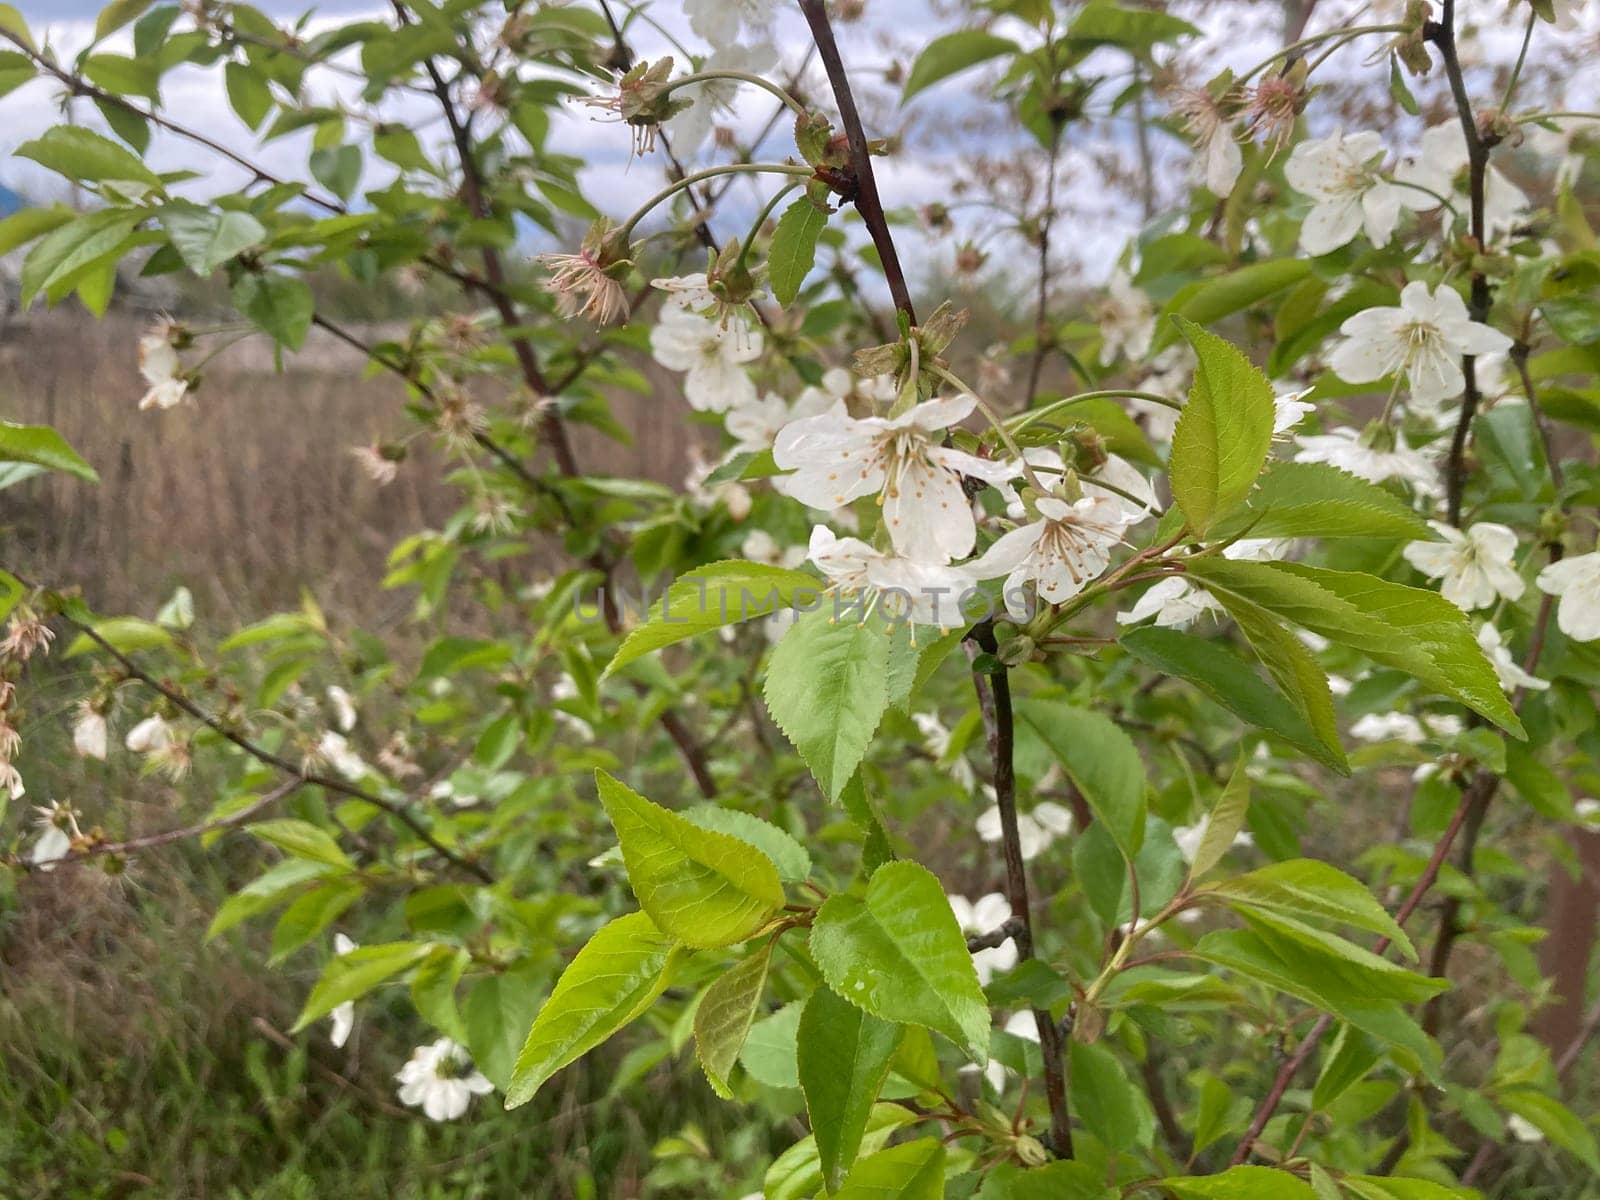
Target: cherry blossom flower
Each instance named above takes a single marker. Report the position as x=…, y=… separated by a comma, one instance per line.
x=1403, y=727
x=1175, y=603
x=985, y=916
x=714, y=97
x=562, y=691
x=719, y=21
x=1127, y=320
x=54, y=843
x=1375, y=454
x=440, y=1080
x=1341, y=174
x=583, y=288
x=839, y=384
x=1189, y=837
x=755, y=425
x=1440, y=167
x=89, y=732
x=162, y=370
x=837, y=458
x=1425, y=337
x=1036, y=829
x=712, y=354
x=1587, y=811
x=732, y=494
x=1511, y=674
x=344, y=1015
x=936, y=737
x=376, y=465
x=1577, y=582
x=1218, y=159
x=1114, y=479
x=1478, y=567
x=1523, y=1130
x=1289, y=410
x=1169, y=375
x=335, y=750
x=149, y=736
x=1067, y=547
x=900, y=588
x=344, y=708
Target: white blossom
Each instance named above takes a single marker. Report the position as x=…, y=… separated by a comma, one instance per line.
x=1218, y=159
x=334, y=749
x=1341, y=174
x=53, y=844
x=149, y=736
x=162, y=370
x=1175, y=603
x=1511, y=674
x=1523, y=1130
x=714, y=97
x=719, y=21
x=1403, y=727
x=1376, y=455
x=936, y=737
x=711, y=353
x=900, y=588
x=1440, y=167
x=1127, y=320
x=89, y=732
x=343, y=1016
x=1425, y=337
x=440, y=1080
x=1577, y=582
x=837, y=458
x=1289, y=410
x=344, y=709
x=1478, y=567
x=1067, y=547
x=1036, y=829
x=986, y=915
x=1587, y=811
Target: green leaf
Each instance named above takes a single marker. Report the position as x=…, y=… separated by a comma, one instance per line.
x=1350, y=1057
x=1223, y=434
x=124, y=76
x=1102, y=761
x=22, y=226
x=1106, y=1100
x=42, y=446
x=1209, y=301
x=1225, y=821
x=1060, y=1180
x=206, y=238
x=702, y=887
x=15, y=70
x=844, y=1057
x=1229, y=680
x=279, y=304
x=1556, y=1121
x=85, y=156
x=266, y=891
x=911, y=1171
x=712, y=596
x=951, y=54
x=722, y=1022
x=496, y=1015
x=796, y=1174
x=1134, y=29
x=117, y=14
x=794, y=248
x=613, y=979
x=69, y=251
x=789, y=856
x=248, y=93
x=1241, y=1183
x=125, y=634
x=433, y=990
x=309, y=915
x=11, y=22
x=337, y=168
x=769, y=1055
x=1411, y=629
x=827, y=689
x=898, y=954
x=1305, y=887
x=351, y=976
x=303, y=840
x=1317, y=500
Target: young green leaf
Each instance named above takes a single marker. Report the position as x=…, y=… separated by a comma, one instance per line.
x=1224, y=823
x=910, y=1171
x=86, y=156
x=794, y=248
x=42, y=446
x=796, y=1174
x=1305, y=887
x=613, y=979
x=1102, y=761
x=1241, y=1183
x=791, y=858
x=844, y=1058
x=712, y=596
x=827, y=690
x=1232, y=682
x=702, y=887
x=206, y=238
x=1411, y=629
x=351, y=976
x=1106, y=1100
x=278, y=303
x=1297, y=499
x=898, y=954
x=723, y=1020
x=1223, y=435
x=951, y=54
x=303, y=840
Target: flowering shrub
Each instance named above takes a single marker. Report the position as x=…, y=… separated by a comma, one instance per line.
x=1118, y=597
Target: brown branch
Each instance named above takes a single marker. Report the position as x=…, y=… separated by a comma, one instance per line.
x=296, y=771
x=994, y=701
x=867, y=201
